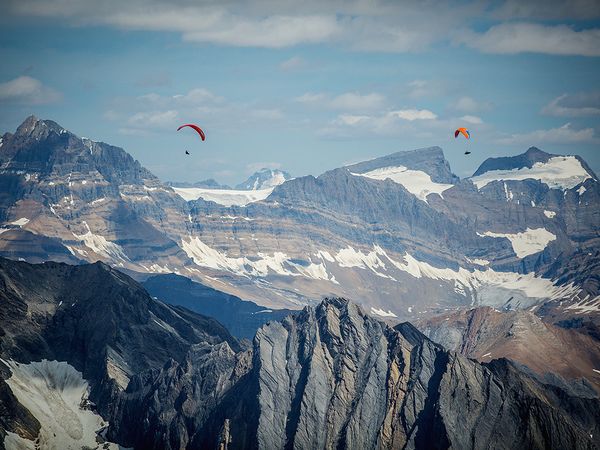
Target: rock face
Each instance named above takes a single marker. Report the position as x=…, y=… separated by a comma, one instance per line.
x=328, y=377
x=333, y=377
x=486, y=334
x=97, y=320
x=400, y=234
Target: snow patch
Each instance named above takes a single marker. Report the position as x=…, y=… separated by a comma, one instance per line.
x=479, y=262
x=382, y=313
x=101, y=246
x=549, y=214
x=260, y=266
x=559, y=172
x=586, y=305
x=225, y=197
x=486, y=287
x=20, y=222
x=416, y=182
x=581, y=190
x=98, y=200
x=57, y=396
x=348, y=257
x=526, y=243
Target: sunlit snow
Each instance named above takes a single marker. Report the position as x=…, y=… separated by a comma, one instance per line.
x=526, y=243
x=416, y=182
x=54, y=392
x=20, y=222
x=382, y=313
x=559, y=172
x=225, y=197
x=260, y=266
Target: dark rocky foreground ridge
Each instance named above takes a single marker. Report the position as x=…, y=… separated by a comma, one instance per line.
x=329, y=377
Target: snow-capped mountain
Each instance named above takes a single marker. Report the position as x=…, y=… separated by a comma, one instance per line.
x=399, y=234
x=264, y=179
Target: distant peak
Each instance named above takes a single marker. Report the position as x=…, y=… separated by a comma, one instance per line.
x=28, y=124
x=32, y=125
x=528, y=159
x=430, y=160
x=536, y=152
x=264, y=178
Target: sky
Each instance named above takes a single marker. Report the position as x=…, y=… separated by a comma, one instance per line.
x=306, y=86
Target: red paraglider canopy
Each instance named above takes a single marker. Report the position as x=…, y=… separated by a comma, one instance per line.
x=195, y=127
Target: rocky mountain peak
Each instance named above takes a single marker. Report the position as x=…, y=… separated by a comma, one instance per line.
x=430, y=160
x=263, y=179
x=528, y=159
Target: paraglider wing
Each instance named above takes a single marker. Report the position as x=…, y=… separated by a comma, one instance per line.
x=195, y=127
x=462, y=131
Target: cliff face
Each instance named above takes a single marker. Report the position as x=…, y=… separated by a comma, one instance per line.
x=333, y=377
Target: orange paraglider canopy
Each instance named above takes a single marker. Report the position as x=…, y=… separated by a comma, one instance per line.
x=195, y=127
x=462, y=131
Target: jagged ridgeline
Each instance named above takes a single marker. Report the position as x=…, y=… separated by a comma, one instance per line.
x=155, y=376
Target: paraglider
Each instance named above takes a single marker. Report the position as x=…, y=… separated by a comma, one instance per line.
x=462, y=131
x=194, y=127
x=465, y=133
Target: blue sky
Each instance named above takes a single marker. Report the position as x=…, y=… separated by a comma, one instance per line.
x=306, y=86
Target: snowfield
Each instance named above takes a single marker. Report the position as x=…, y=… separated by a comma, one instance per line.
x=560, y=172
x=225, y=197
x=527, y=242
x=485, y=287
x=416, y=182
x=101, y=246
x=259, y=266
x=54, y=393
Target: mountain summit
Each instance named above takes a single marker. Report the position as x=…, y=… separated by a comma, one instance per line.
x=264, y=179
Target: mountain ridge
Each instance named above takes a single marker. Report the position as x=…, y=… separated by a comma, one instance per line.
x=403, y=242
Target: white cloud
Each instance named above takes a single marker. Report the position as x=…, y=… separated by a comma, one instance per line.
x=356, y=101
x=293, y=63
x=270, y=32
x=574, y=105
x=349, y=101
x=510, y=38
x=154, y=113
x=548, y=9
x=470, y=105
x=388, y=123
x=413, y=114
x=27, y=90
x=472, y=119
x=377, y=25
x=154, y=119
x=560, y=135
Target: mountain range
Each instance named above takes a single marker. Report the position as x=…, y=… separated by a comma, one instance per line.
x=153, y=315
x=401, y=235
x=89, y=358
